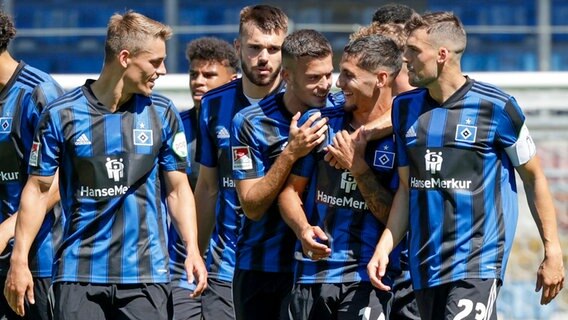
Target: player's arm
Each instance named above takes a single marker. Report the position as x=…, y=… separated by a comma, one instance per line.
x=206, y=191
x=550, y=276
x=380, y=127
x=8, y=226
x=257, y=194
x=292, y=211
x=349, y=152
x=395, y=231
x=181, y=206
x=33, y=208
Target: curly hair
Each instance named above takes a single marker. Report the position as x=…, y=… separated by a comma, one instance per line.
x=212, y=49
x=7, y=31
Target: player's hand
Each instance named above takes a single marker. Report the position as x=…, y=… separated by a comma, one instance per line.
x=196, y=272
x=376, y=268
x=550, y=277
x=302, y=140
x=19, y=285
x=314, y=240
x=341, y=151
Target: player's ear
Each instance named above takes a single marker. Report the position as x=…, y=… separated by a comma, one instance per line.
x=124, y=58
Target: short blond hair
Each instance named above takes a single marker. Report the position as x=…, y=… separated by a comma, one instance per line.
x=130, y=31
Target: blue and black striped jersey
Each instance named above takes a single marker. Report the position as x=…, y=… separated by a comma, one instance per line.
x=334, y=203
x=109, y=168
x=463, y=202
x=218, y=107
x=22, y=100
x=260, y=133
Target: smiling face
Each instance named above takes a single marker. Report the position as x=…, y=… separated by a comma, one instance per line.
x=421, y=57
x=143, y=68
x=260, y=54
x=309, y=81
x=358, y=84
x=205, y=75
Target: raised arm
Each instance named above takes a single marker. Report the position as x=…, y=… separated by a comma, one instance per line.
x=206, y=192
x=33, y=208
x=257, y=194
x=550, y=275
x=181, y=207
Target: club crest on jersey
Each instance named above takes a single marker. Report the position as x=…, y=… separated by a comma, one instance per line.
x=34, y=154
x=384, y=158
x=143, y=137
x=466, y=133
x=5, y=124
x=241, y=158
x=180, y=145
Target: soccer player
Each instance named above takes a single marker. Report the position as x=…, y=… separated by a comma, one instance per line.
x=458, y=141
x=261, y=32
x=212, y=63
x=24, y=92
x=344, y=211
x=115, y=144
x=265, y=143
x=404, y=304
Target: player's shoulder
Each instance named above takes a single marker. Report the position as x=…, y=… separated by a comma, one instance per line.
x=224, y=90
x=66, y=100
x=159, y=100
x=490, y=92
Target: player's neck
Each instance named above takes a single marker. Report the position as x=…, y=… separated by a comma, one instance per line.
x=446, y=85
x=7, y=68
x=381, y=105
x=108, y=90
x=254, y=91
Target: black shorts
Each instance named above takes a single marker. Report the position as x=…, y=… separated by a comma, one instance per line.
x=342, y=301
x=184, y=306
x=464, y=299
x=404, y=305
x=74, y=300
x=217, y=300
x=260, y=295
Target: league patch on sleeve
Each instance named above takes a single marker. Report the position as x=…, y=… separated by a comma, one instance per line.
x=34, y=154
x=180, y=145
x=241, y=158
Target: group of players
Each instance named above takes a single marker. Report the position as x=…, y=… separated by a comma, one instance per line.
x=394, y=198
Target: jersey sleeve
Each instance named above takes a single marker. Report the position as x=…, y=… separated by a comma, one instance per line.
x=174, y=151
x=206, y=153
x=186, y=121
x=245, y=150
x=40, y=97
x=399, y=135
x=46, y=147
x=513, y=134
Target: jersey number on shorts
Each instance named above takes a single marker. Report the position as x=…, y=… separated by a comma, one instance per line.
x=365, y=314
x=467, y=304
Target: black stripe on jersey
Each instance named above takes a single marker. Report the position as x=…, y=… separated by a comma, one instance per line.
x=144, y=259
x=116, y=242
x=25, y=79
x=490, y=91
x=355, y=245
x=17, y=130
x=447, y=257
x=68, y=97
x=498, y=198
x=515, y=116
x=423, y=234
x=161, y=216
x=31, y=76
